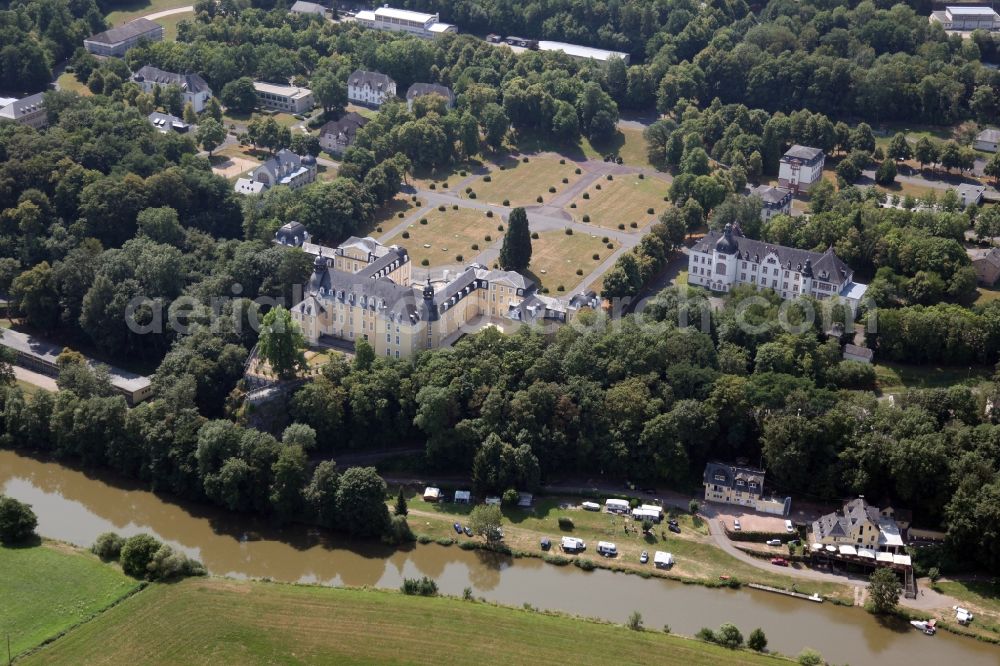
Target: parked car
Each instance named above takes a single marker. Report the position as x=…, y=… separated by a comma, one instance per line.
x=546, y=544
x=774, y=542
x=458, y=528
x=644, y=557
x=779, y=562
x=736, y=525
x=468, y=531
x=789, y=527
x=674, y=527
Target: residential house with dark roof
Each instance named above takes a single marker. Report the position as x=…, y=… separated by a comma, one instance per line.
x=775, y=200
x=28, y=111
x=116, y=41
x=988, y=140
x=420, y=89
x=800, y=168
x=337, y=136
x=720, y=261
x=370, y=88
x=363, y=290
x=733, y=484
x=986, y=264
x=285, y=168
x=293, y=234
x=193, y=88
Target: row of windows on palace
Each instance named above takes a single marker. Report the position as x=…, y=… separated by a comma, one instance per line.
x=371, y=304
x=721, y=269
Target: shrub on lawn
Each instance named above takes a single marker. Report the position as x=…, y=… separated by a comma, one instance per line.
x=534, y=235
x=378, y=229
x=610, y=246
x=489, y=213
x=605, y=239
x=545, y=290
x=577, y=171
x=538, y=199
x=560, y=288
x=565, y=180
x=413, y=198
x=424, y=587
x=488, y=238
x=551, y=189
x=472, y=195
x=610, y=177
x=499, y=227
x=406, y=234
x=462, y=172
x=459, y=258
x=487, y=178
x=441, y=208
x=598, y=186
x=621, y=226
x=579, y=271
x=433, y=186
x=641, y=176
x=586, y=195
x=566, y=523
x=502, y=167
x=586, y=218
x=425, y=262
x=108, y=546
x=506, y=202
x=468, y=189
x=454, y=206
x=569, y=231
x=573, y=205
x=596, y=257
x=562, y=161
x=445, y=184
x=524, y=159
x=649, y=211
x=423, y=220
x=634, y=225
x=667, y=199
x=475, y=246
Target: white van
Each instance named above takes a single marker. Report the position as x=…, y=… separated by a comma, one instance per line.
x=572, y=544
x=789, y=527
x=607, y=549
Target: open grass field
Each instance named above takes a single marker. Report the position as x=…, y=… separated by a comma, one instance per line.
x=982, y=598
x=697, y=556
x=211, y=621
x=169, y=24
x=897, y=376
x=47, y=589
x=387, y=215
x=522, y=182
x=985, y=295
x=443, y=180
x=556, y=258
x=448, y=235
x=624, y=200
x=67, y=81
x=628, y=142
x=135, y=8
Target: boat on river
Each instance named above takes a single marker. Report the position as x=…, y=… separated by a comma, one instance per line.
x=929, y=627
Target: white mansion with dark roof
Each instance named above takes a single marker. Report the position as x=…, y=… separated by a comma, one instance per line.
x=193, y=88
x=721, y=261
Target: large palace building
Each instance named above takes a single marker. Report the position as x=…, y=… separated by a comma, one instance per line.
x=721, y=261
x=363, y=289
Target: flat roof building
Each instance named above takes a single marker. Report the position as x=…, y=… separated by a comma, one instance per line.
x=290, y=99
x=427, y=26
x=116, y=41
x=965, y=18
x=582, y=52
x=42, y=356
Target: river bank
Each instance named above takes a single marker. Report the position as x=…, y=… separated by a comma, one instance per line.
x=216, y=620
x=75, y=506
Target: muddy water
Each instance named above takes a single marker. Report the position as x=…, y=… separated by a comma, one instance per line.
x=76, y=507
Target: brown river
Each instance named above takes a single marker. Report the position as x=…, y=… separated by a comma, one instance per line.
x=74, y=506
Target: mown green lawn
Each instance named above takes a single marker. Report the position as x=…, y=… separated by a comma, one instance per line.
x=897, y=376
x=133, y=9
x=46, y=589
x=213, y=621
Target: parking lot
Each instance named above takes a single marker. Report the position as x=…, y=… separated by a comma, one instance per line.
x=750, y=521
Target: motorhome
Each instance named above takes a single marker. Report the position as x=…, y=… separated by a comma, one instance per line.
x=607, y=549
x=616, y=506
x=573, y=545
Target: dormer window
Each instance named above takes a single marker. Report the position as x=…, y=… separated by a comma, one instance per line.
x=740, y=483
x=720, y=477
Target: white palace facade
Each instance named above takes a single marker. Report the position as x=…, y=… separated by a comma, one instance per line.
x=720, y=261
